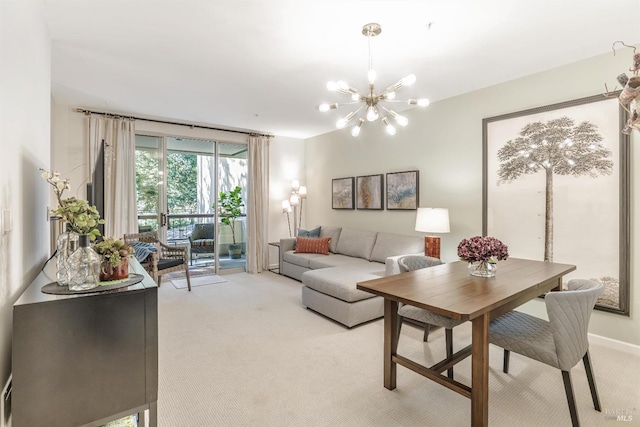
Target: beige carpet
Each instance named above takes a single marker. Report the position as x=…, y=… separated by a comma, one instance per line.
x=246, y=353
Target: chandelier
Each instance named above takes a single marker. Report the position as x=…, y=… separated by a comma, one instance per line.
x=372, y=103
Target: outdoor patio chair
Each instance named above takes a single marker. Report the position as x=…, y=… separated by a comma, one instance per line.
x=165, y=259
x=201, y=239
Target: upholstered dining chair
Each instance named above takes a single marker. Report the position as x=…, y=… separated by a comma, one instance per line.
x=561, y=342
x=165, y=259
x=421, y=316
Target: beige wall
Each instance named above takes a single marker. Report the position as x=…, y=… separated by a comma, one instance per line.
x=444, y=142
x=25, y=105
x=286, y=163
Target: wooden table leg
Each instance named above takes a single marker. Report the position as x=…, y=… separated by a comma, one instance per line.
x=390, y=342
x=480, y=371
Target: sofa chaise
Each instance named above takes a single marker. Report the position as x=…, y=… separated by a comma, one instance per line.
x=329, y=281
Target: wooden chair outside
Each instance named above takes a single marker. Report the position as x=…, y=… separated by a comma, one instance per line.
x=202, y=240
x=166, y=259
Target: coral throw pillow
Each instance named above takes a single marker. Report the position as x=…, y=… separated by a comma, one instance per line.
x=312, y=245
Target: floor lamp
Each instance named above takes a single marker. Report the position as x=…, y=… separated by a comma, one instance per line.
x=298, y=194
x=432, y=220
x=286, y=208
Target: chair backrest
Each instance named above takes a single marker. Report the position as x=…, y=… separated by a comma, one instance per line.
x=146, y=237
x=569, y=313
x=203, y=231
x=416, y=262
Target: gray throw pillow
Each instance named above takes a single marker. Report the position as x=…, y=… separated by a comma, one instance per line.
x=309, y=233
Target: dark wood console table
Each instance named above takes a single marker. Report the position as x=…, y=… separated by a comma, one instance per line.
x=84, y=360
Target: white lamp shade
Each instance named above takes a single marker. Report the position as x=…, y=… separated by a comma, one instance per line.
x=432, y=220
x=294, y=200
x=302, y=192
x=295, y=185
x=286, y=206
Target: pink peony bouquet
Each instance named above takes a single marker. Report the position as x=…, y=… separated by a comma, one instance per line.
x=482, y=249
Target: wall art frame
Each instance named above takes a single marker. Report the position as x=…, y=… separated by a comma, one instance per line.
x=369, y=190
x=403, y=190
x=342, y=193
x=556, y=187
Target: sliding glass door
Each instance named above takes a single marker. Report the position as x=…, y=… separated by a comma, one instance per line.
x=232, y=224
x=178, y=182
x=149, y=183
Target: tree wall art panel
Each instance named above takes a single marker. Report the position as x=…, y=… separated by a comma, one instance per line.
x=556, y=188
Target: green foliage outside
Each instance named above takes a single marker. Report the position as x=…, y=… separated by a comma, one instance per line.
x=182, y=174
x=229, y=204
x=182, y=193
x=147, y=181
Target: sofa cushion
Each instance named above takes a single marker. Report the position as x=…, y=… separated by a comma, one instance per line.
x=301, y=260
x=357, y=243
x=338, y=282
x=388, y=245
x=312, y=245
x=309, y=233
x=337, y=260
x=334, y=233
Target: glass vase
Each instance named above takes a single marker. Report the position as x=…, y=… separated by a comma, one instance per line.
x=482, y=268
x=67, y=244
x=84, y=266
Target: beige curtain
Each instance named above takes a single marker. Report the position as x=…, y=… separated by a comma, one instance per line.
x=258, y=205
x=120, y=213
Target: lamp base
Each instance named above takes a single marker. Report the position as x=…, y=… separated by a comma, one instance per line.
x=432, y=246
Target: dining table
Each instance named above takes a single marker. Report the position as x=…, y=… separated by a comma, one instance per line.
x=450, y=290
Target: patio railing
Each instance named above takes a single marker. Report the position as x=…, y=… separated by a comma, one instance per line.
x=180, y=226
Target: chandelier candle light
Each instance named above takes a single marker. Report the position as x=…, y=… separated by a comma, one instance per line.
x=372, y=102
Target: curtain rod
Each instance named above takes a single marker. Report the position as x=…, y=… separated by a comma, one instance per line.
x=89, y=112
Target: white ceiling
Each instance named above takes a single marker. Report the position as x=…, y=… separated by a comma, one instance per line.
x=263, y=65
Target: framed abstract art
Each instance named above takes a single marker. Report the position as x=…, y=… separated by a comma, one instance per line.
x=369, y=191
x=342, y=194
x=402, y=190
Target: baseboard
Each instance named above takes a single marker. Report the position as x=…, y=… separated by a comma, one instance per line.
x=615, y=344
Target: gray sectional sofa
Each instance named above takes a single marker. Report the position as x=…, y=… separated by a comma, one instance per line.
x=329, y=281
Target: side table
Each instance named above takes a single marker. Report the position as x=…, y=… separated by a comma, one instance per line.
x=276, y=269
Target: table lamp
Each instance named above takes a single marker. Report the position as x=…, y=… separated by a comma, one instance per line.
x=432, y=220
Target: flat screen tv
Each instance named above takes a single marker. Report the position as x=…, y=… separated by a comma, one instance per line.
x=95, y=189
